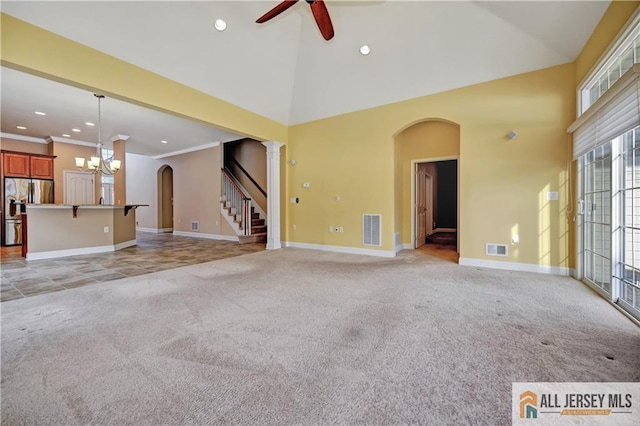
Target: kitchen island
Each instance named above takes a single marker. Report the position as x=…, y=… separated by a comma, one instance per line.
x=56, y=230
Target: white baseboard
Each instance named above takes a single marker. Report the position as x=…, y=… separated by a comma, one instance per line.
x=445, y=230
x=165, y=230
x=207, y=236
x=53, y=254
x=514, y=266
x=341, y=249
x=125, y=244
x=403, y=246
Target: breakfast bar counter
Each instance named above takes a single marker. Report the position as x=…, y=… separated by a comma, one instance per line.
x=56, y=230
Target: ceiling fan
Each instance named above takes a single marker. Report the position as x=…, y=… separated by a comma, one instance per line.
x=318, y=8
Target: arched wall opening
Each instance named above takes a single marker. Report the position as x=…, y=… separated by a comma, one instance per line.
x=418, y=148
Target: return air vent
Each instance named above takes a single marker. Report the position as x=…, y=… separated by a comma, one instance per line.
x=496, y=249
x=195, y=226
x=371, y=230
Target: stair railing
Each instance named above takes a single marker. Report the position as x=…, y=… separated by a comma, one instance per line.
x=236, y=201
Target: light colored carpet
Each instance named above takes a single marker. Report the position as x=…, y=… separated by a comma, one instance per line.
x=306, y=337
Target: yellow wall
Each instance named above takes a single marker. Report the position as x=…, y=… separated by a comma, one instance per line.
x=31, y=49
x=503, y=182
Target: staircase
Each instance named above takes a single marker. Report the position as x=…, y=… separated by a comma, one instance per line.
x=240, y=214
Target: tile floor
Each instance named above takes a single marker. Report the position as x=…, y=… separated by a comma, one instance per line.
x=154, y=252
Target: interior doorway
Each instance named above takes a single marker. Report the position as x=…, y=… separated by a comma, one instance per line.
x=165, y=199
x=436, y=206
x=79, y=188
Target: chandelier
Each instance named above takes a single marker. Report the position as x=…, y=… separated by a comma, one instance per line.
x=107, y=166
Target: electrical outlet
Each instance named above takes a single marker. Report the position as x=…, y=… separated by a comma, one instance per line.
x=330, y=228
x=341, y=229
x=336, y=229
x=106, y=229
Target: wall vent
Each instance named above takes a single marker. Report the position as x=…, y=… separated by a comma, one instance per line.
x=398, y=240
x=496, y=249
x=195, y=226
x=371, y=230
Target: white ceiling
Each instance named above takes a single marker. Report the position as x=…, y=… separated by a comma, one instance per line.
x=286, y=71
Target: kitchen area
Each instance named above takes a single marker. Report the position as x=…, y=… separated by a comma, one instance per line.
x=26, y=179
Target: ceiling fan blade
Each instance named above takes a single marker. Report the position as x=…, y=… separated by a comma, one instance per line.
x=323, y=20
x=276, y=11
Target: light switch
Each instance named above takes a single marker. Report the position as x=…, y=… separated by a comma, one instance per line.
x=306, y=185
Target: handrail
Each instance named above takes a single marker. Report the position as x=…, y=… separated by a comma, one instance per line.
x=249, y=176
x=237, y=202
x=233, y=182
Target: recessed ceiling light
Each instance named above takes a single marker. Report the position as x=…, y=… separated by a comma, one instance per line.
x=66, y=135
x=220, y=25
x=88, y=123
x=163, y=141
x=21, y=127
x=75, y=130
x=40, y=113
x=365, y=50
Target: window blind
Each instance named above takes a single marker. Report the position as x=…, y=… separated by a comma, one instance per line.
x=615, y=113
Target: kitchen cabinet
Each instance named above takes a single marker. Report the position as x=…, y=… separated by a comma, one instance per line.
x=27, y=165
x=41, y=167
x=16, y=165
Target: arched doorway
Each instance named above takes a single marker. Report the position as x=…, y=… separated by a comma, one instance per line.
x=165, y=199
x=427, y=184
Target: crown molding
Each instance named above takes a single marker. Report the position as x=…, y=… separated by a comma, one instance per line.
x=120, y=137
x=184, y=151
x=23, y=138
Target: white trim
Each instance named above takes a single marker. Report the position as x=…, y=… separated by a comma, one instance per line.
x=206, y=236
x=187, y=150
x=23, y=138
x=78, y=251
x=120, y=137
x=341, y=249
x=154, y=230
x=404, y=246
x=413, y=192
x=514, y=266
x=125, y=244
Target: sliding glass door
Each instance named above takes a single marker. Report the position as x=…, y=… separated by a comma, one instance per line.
x=597, y=217
x=610, y=178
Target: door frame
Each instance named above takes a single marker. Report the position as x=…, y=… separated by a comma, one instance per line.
x=414, y=165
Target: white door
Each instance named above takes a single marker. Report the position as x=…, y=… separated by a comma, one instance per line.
x=421, y=206
x=428, y=194
x=79, y=188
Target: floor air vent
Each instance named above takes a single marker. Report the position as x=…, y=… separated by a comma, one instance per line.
x=496, y=249
x=371, y=230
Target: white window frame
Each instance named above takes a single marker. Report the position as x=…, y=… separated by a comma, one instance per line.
x=629, y=36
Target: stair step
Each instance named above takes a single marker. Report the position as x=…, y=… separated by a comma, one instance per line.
x=257, y=222
x=254, y=238
x=258, y=229
x=255, y=215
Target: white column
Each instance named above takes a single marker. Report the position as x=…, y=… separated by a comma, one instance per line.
x=273, y=194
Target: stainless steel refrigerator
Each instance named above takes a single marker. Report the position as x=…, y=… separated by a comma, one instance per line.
x=17, y=193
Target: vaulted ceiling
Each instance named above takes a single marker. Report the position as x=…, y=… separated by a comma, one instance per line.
x=286, y=71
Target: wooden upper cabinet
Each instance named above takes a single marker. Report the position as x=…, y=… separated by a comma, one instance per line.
x=15, y=165
x=42, y=167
